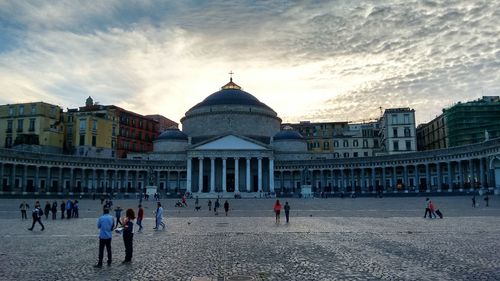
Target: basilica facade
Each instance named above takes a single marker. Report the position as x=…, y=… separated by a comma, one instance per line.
x=233, y=144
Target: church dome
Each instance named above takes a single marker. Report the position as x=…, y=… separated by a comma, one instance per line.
x=172, y=134
x=231, y=94
x=231, y=111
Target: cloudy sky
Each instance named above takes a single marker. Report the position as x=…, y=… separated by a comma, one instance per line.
x=309, y=60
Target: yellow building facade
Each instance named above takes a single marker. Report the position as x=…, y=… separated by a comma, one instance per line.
x=34, y=126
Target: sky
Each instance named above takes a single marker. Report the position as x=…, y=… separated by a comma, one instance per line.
x=308, y=60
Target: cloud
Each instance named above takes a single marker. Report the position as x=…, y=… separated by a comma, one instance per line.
x=323, y=61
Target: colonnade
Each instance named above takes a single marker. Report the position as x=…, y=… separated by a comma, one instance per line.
x=464, y=174
x=241, y=171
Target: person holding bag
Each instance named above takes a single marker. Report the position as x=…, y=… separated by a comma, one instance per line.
x=128, y=234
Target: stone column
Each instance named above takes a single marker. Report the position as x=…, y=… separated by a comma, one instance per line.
x=200, y=174
x=37, y=178
x=417, y=179
x=342, y=182
x=13, y=177
x=271, y=175
x=450, y=179
x=259, y=175
x=461, y=175
x=353, y=180
x=384, y=182
x=24, y=188
x=374, y=180
x=188, y=176
x=236, y=174
x=405, y=177
x=471, y=174
x=212, y=174
x=71, y=177
x=394, y=179
x=61, y=180
x=481, y=172
x=363, y=184
x=428, y=177
x=439, y=176
x=2, y=168
x=247, y=178
x=224, y=174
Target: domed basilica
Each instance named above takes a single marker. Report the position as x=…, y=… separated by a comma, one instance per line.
x=230, y=141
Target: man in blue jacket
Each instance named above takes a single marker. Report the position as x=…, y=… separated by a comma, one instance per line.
x=105, y=225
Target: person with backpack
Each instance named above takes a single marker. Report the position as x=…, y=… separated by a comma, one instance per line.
x=37, y=214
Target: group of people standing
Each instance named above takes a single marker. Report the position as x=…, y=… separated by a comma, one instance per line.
x=277, y=211
x=70, y=208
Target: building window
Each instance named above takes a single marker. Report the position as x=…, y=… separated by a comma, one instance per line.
x=355, y=154
x=407, y=132
x=346, y=154
x=395, y=132
x=94, y=140
x=346, y=143
x=83, y=125
x=407, y=118
x=8, y=142
x=82, y=139
x=396, y=145
x=375, y=143
x=113, y=144
x=365, y=143
x=394, y=119
x=355, y=143
x=336, y=155
x=52, y=111
x=32, y=125
x=20, y=125
x=365, y=154
x=326, y=145
x=408, y=145
x=9, y=126
x=33, y=109
x=94, y=125
x=335, y=143
x=11, y=111
x=21, y=110
x=114, y=131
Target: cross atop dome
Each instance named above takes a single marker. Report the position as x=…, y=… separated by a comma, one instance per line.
x=231, y=84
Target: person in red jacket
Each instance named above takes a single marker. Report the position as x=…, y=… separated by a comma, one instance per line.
x=277, y=210
x=140, y=216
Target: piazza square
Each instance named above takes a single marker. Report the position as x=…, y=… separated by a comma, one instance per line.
x=326, y=239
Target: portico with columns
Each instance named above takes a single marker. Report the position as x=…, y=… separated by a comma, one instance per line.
x=230, y=164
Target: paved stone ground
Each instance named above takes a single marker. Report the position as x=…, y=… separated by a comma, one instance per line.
x=327, y=239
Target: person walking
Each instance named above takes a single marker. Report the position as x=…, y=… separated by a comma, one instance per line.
x=47, y=209
x=427, y=209
x=226, y=207
x=432, y=209
x=24, y=207
x=184, y=202
x=473, y=201
x=37, y=214
x=76, y=207
x=209, y=205
x=54, y=210
x=159, y=217
x=63, y=209
x=128, y=234
x=118, y=215
x=277, y=210
x=105, y=225
x=140, y=217
x=216, y=206
x=287, y=211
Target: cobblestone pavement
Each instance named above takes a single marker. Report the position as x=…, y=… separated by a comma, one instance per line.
x=351, y=240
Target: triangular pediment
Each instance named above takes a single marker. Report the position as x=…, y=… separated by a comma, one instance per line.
x=230, y=142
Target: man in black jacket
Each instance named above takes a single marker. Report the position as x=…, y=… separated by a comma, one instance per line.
x=37, y=214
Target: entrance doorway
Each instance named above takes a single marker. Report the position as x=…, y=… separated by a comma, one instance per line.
x=230, y=182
